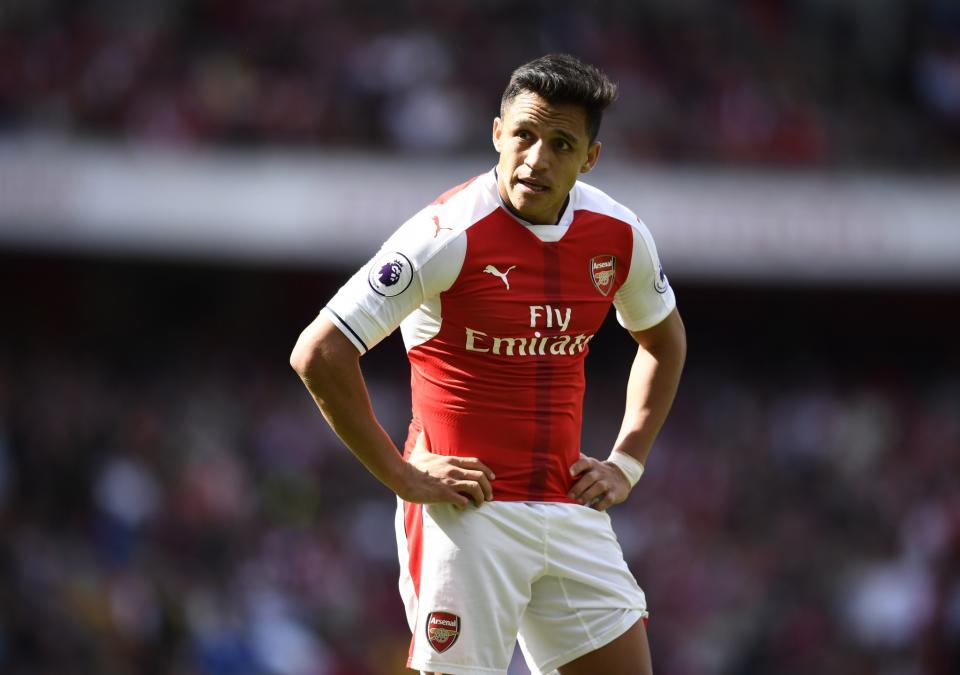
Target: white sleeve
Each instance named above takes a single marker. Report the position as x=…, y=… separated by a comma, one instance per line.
x=413, y=266
x=645, y=298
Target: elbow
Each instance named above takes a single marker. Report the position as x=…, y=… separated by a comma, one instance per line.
x=320, y=347
x=682, y=343
x=305, y=356
x=300, y=360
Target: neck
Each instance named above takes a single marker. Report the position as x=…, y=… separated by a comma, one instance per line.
x=505, y=202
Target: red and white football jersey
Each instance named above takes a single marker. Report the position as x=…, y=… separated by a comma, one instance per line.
x=497, y=316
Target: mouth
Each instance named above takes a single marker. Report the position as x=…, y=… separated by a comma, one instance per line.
x=532, y=186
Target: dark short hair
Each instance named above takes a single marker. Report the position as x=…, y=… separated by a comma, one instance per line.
x=562, y=78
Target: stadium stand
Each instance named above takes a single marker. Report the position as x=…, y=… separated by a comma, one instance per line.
x=809, y=83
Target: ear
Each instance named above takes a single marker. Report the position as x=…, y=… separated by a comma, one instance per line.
x=497, y=132
x=593, y=154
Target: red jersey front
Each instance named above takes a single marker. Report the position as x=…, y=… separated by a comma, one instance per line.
x=497, y=317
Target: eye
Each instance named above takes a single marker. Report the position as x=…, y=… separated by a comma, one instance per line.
x=562, y=145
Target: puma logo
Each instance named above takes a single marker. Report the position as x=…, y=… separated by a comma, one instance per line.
x=436, y=223
x=490, y=269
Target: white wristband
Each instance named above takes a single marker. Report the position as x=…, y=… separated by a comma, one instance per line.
x=632, y=467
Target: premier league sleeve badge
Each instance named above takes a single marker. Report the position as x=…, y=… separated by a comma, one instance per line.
x=390, y=274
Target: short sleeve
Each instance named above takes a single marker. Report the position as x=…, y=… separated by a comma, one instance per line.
x=412, y=266
x=645, y=298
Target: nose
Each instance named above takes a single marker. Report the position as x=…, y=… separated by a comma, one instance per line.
x=537, y=156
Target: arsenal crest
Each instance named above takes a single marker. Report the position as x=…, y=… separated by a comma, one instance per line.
x=603, y=271
x=443, y=629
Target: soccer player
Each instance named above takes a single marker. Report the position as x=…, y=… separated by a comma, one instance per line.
x=498, y=288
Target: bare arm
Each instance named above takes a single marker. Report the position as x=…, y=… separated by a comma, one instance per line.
x=329, y=366
x=651, y=387
x=654, y=378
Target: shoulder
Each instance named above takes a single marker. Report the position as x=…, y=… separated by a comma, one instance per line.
x=463, y=205
x=590, y=198
x=432, y=244
x=595, y=200
x=440, y=225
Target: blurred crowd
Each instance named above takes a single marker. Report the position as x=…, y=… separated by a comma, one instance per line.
x=800, y=82
x=186, y=511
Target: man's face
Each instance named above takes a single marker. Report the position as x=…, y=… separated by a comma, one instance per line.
x=543, y=148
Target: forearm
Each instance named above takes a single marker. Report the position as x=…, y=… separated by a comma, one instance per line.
x=329, y=368
x=651, y=388
x=652, y=384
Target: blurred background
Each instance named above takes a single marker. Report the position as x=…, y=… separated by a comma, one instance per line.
x=184, y=184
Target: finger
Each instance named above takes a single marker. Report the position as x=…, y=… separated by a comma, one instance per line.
x=471, y=489
x=597, y=491
x=458, y=500
x=476, y=465
x=478, y=477
x=581, y=465
x=603, y=503
x=584, y=484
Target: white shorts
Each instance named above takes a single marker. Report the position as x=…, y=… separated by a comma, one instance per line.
x=475, y=580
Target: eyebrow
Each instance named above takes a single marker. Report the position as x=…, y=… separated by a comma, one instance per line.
x=527, y=121
x=569, y=137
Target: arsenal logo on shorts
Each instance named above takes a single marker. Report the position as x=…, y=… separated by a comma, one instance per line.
x=603, y=270
x=443, y=629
